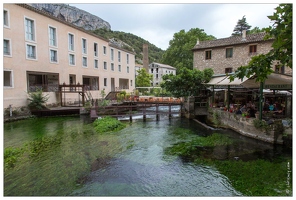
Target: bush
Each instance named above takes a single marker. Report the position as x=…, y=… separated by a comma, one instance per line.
x=37, y=100
x=108, y=124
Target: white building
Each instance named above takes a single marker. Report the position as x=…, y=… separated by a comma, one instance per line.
x=158, y=70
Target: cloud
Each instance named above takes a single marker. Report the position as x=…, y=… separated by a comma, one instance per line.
x=157, y=23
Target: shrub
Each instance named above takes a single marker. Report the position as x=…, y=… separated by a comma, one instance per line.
x=37, y=100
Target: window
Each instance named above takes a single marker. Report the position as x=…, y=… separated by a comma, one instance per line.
x=105, y=65
x=127, y=59
x=30, y=29
x=127, y=69
x=229, y=52
x=105, y=81
x=279, y=69
x=31, y=51
x=71, y=59
x=95, y=49
x=84, y=46
x=228, y=70
x=104, y=50
x=53, y=56
x=252, y=49
x=71, y=41
x=6, y=47
x=112, y=54
x=96, y=64
x=84, y=61
x=112, y=66
x=208, y=55
x=119, y=68
x=7, y=78
x=131, y=82
x=5, y=18
x=119, y=56
x=52, y=37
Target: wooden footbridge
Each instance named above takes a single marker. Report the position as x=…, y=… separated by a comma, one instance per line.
x=137, y=108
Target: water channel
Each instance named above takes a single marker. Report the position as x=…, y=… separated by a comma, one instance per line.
x=64, y=156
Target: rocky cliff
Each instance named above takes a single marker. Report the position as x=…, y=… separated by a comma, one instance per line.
x=73, y=15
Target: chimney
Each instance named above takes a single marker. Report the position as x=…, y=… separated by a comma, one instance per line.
x=145, y=57
x=197, y=42
x=244, y=35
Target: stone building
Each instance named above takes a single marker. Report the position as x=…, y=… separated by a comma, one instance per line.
x=158, y=70
x=42, y=51
x=227, y=54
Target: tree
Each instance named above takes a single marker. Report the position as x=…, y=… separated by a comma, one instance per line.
x=143, y=79
x=179, y=53
x=261, y=65
x=281, y=31
x=240, y=26
x=256, y=30
x=187, y=82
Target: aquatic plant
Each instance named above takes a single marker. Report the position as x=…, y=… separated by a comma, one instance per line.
x=257, y=177
x=107, y=124
x=11, y=155
x=193, y=147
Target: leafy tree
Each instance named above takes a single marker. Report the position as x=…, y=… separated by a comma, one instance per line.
x=240, y=26
x=179, y=53
x=256, y=30
x=187, y=82
x=143, y=79
x=281, y=31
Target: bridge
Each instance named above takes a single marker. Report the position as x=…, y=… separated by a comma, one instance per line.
x=135, y=108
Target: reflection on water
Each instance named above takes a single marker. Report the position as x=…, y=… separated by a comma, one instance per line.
x=131, y=162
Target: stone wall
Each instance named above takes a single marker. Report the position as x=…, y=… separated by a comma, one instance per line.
x=219, y=62
x=245, y=126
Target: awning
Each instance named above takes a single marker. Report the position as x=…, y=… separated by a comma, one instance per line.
x=216, y=80
x=274, y=81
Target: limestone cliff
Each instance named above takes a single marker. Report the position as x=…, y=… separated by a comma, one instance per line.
x=73, y=15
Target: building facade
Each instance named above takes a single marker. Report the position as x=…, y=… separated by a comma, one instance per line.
x=43, y=52
x=227, y=54
x=158, y=70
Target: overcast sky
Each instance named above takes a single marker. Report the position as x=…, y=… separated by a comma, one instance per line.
x=157, y=23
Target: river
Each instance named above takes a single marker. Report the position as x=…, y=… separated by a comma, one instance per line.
x=63, y=156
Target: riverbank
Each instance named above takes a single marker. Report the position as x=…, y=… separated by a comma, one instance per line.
x=273, y=131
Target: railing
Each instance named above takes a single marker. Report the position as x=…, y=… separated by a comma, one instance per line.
x=44, y=88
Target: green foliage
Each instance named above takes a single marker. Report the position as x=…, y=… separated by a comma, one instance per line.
x=260, y=66
x=37, y=100
x=193, y=147
x=216, y=118
x=258, y=177
x=281, y=31
x=179, y=53
x=39, y=145
x=143, y=79
x=187, y=82
x=11, y=156
x=261, y=125
x=240, y=26
x=256, y=30
x=135, y=44
x=107, y=124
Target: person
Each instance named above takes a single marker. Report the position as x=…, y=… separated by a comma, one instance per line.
x=243, y=109
x=271, y=107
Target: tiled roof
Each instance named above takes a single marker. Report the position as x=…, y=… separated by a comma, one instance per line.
x=164, y=65
x=234, y=40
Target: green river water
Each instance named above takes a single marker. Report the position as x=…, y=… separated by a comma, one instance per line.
x=64, y=156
